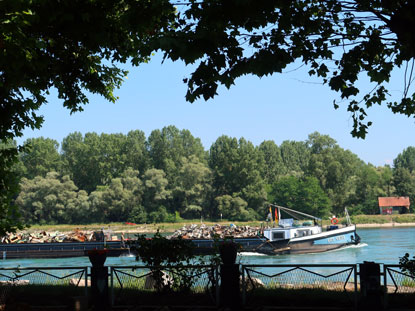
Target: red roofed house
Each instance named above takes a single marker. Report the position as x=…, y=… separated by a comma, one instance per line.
x=388, y=205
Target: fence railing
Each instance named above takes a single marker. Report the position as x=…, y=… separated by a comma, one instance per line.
x=204, y=282
x=328, y=277
x=27, y=278
x=194, y=279
x=396, y=282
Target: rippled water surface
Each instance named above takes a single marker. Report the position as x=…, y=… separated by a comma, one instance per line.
x=383, y=245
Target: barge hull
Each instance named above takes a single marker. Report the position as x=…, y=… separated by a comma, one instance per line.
x=59, y=250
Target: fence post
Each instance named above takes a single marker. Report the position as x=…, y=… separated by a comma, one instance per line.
x=230, y=295
x=355, y=287
x=243, y=286
x=99, y=280
x=385, y=285
x=112, y=286
x=370, y=289
x=217, y=286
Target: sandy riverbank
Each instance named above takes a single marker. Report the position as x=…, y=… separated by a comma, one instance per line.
x=386, y=225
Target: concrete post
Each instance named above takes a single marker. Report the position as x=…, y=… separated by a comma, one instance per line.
x=230, y=296
x=370, y=288
x=99, y=281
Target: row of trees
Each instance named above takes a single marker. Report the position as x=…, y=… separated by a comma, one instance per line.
x=117, y=177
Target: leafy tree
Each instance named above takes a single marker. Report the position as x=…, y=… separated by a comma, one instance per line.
x=404, y=182
x=334, y=167
x=236, y=167
x=10, y=219
x=94, y=159
x=272, y=158
x=234, y=208
x=406, y=159
x=407, y=264
x=173, y=255
x=387, y=179
x=193, y=188
x=404, y=173
x=134, y=151
x=52, y=199
x=40, y=156
x=369, y=186
x=339, y=40
x=302, y=194
x=155, y=192
x=120, y=199
x=295, y=156
x=167, y=148
x=342, y=42
x=48, y=45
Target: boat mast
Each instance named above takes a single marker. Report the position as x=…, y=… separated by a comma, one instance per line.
x=294, y=211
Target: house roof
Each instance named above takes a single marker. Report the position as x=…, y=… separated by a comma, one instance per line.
x=394, y=201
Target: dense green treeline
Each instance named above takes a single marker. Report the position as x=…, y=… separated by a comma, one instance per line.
x=169, y=175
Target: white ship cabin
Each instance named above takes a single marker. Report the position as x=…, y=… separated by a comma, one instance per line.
x=287, y=229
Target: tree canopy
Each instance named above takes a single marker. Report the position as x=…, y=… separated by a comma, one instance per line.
x=78, y=46
x=341, y=42
x=233, y=180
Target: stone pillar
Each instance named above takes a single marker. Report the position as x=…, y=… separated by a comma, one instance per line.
x=229, y=295
x=370, y=288
x=99, y=280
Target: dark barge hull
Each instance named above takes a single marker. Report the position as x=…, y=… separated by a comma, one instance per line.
x=59, y=250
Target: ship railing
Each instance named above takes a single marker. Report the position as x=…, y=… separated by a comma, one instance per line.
x=398, y=286
x=257, y=280
x=35, y=279
x=202, y=281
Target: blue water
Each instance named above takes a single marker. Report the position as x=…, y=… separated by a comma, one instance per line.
x=383, y=245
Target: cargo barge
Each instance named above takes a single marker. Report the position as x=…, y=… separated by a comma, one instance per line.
x=60, y=250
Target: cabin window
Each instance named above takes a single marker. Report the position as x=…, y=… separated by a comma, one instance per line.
x=304, y=232
x=278, y=235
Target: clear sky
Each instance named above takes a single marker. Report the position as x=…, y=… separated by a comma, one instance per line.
x=281, y=107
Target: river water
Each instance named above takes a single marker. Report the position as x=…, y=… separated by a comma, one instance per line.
x=382, y=245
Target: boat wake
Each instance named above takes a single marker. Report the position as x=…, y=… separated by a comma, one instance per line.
x=127, y=255
x=251, y=254
x=357, y=246
x=360, y=245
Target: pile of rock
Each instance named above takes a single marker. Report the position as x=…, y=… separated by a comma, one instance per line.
x=49, y=237
x=217, y=231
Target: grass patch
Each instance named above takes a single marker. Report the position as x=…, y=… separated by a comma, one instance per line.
x=383, y=219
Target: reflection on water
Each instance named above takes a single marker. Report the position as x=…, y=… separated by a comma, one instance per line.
x=383, y=245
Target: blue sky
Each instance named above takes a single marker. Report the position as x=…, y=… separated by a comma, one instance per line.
x=281, y=107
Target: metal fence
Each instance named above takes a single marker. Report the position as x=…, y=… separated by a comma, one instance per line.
x=399, y=287
x=25, y=279
x=200, y=281
x=328, y=277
